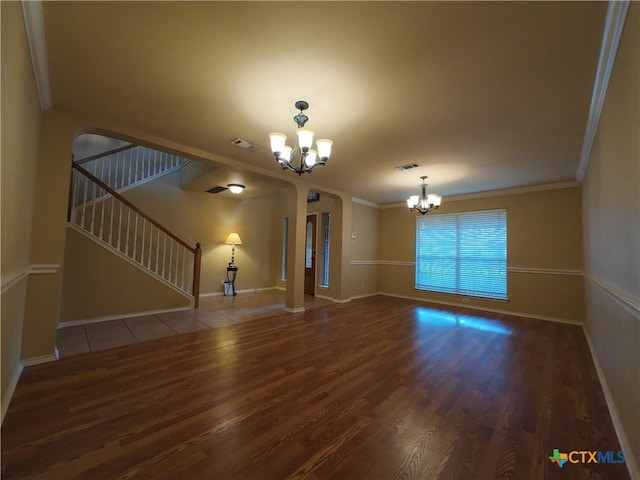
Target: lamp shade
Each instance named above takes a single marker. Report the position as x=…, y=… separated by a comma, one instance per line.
x=233, y=239
x=285, y=154
x=277, y=141
x=310, y=160
x=433, y=199
x=305, y=137
x=324, y=148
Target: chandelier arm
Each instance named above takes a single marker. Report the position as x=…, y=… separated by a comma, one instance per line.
x=284, y=164
x=287, y=165
x=314, y=166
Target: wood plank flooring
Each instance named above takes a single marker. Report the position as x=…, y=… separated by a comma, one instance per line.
x=378, y=388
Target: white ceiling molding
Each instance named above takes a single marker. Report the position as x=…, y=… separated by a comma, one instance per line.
x=34, y=23
x=613, y=26
x=364, y=202
x=497, y=193
x=514, y=191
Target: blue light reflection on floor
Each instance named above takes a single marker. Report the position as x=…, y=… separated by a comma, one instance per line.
x=430, y=316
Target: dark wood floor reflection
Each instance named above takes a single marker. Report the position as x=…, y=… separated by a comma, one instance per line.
x=378, y=388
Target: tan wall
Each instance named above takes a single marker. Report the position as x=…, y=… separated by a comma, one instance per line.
x=327, y=204
x=20, y=132
x=364, y=250
x=98, y=283
x=48, y=233
x=206, y=218
x=611, y=198
x=544, y=232
x=283, y=198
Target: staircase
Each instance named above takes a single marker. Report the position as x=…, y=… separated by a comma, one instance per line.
x=131, y=166
x=97, y=209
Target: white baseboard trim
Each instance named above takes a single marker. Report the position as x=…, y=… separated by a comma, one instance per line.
x=341, y=300
x=365, y=295
x=294, y=310
x=86, y=321
x=492, y=310
x=632, y=464
x=30, y=362
x=244, y=290
x=335, y=300
x=11, y=388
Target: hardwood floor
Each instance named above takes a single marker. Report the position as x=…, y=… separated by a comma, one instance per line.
x=378, y=388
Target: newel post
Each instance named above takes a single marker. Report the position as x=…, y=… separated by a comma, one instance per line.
x=197, y=254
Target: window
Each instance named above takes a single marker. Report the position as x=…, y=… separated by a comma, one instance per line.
x=308, y=249
x=324, y=281
x=464, y=253
x=285, y=232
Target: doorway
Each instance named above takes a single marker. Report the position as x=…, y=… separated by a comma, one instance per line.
x=310, y=256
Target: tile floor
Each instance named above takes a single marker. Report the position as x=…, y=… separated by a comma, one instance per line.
x=214, y=312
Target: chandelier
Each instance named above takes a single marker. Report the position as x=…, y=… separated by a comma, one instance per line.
x=301, y=158
x=424, y=203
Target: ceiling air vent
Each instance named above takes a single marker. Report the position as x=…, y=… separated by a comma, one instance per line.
x=217, y=189
x=238, y=142
x=407, y=166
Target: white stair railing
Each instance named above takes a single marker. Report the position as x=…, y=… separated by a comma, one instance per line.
x=109, y=218
x=131, y=165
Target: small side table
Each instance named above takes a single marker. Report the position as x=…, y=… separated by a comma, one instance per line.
x=230, y=283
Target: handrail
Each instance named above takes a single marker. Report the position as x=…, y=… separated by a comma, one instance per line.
x=104, y=154
x=115, y=194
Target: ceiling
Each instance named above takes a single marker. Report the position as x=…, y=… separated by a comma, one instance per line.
x=483, y=95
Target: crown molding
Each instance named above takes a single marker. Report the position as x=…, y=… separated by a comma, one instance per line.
x=514, y=191
x=613, y=26
x=496, y=193
x=34, y=25
x=366, y=203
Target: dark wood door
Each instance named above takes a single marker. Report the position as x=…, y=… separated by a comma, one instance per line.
x=310, y=256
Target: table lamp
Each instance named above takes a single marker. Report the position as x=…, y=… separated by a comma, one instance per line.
x=233, y=239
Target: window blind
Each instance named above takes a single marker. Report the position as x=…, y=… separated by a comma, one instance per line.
x=325, y=249
x=463, y=253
